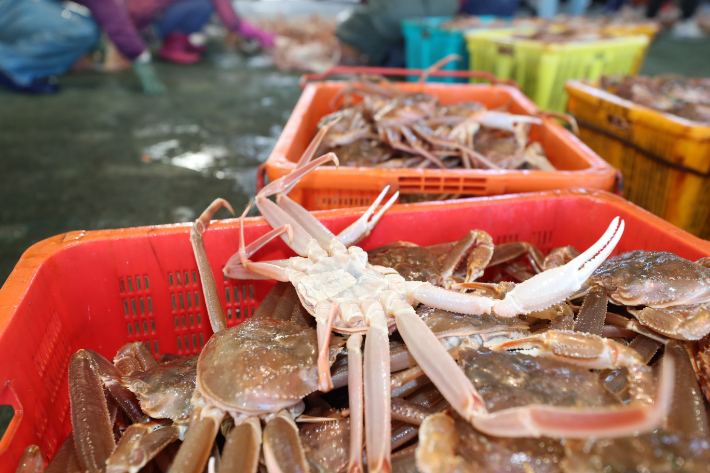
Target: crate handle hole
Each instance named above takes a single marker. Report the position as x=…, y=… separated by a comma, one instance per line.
x=10, y=416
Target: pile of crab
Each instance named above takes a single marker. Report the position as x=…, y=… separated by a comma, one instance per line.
x=399, y=359
x=393, y=128
x=684, y=97
x=303, y=44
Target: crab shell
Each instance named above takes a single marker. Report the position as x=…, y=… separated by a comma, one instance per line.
x=258, y=367
x=653, y=279
x=165, y=390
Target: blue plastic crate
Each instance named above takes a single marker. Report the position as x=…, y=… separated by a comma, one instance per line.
x=425, y=42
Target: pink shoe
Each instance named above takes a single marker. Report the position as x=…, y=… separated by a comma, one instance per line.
x=176, y=49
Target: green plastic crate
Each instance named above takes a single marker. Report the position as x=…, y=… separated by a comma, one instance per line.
x=542, y=69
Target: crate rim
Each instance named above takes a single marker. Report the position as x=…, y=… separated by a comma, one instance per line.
x=22, y=276
x=590, y=90
x=597, y=166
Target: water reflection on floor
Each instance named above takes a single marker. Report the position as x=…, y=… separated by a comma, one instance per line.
x=102, y=155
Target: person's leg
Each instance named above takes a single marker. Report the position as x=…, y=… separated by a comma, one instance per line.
x=653, y=7
x=547, y=8
x=688, y=8
x=41, y=38
x=186, y=16
x=577, y=7
x=178, y=23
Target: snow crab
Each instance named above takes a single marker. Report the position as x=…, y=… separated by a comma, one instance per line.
x=674, y=293
x=336, y=284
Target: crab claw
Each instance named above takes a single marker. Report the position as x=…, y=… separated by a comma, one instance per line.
x=558, y=284
x=505, y=121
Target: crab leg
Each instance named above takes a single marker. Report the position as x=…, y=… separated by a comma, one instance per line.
x=31, y=461
x=435, y=361
x=139, y=445
x=592, y=352
x=283, y=452
x=65, y=461
x=209, y=287
x=361, y=228
x=377, y=388
x=197, y=446
x=687, y=414
x=325, y=314
x=593, y=312
x=355, y=396
x=93, y=432
x=268, y=269
x=241, y=450
x=482, y=245
x=133, y=357
x=234, y=269
x=564, y=422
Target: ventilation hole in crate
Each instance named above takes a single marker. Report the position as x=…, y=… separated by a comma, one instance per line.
x=155, y=346
x=121, y=286
x=183, y=321
x=199, y=319
x=150, y=305
x=189, y=300
x=194, y=277
x=229, y=314
x=145, y=278
x=147, y=345
x=145, y=327
x=194, y=341
x=177, y=324
x=202, y=340
x=226, y=295
x=128, y=325
x=236, y=294
x=142, y=306
x=130, y=284
x=237, y=313
x=252, y=311
x=192, y=320
x=125, y=306
x=152, y=325
x=170, y=277
x=138, y=328
x=138, y=283
x=197, y=300
x=133, y=303
x=187, y=279
x=182, y=302
x=244, y=291
x=251, y=292
x=173, y=298
x=179, y=343
x=187, y=343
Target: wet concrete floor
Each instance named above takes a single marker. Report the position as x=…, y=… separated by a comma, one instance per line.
x=102, y=155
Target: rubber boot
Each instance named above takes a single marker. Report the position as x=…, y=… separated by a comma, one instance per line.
x=176, y=49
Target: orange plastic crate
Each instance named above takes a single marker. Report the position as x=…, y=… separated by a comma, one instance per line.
x=102, y=289
x=330, y=188
x=665, y=159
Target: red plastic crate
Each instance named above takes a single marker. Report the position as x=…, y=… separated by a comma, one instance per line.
x=330, y=188
x=102, y=289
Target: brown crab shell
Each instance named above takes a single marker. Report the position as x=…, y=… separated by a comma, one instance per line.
x=165, y=390
x=654, y=279
x=260, y=366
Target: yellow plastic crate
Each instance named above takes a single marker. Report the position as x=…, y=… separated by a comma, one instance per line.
x=665, y=159
x=541, y=69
